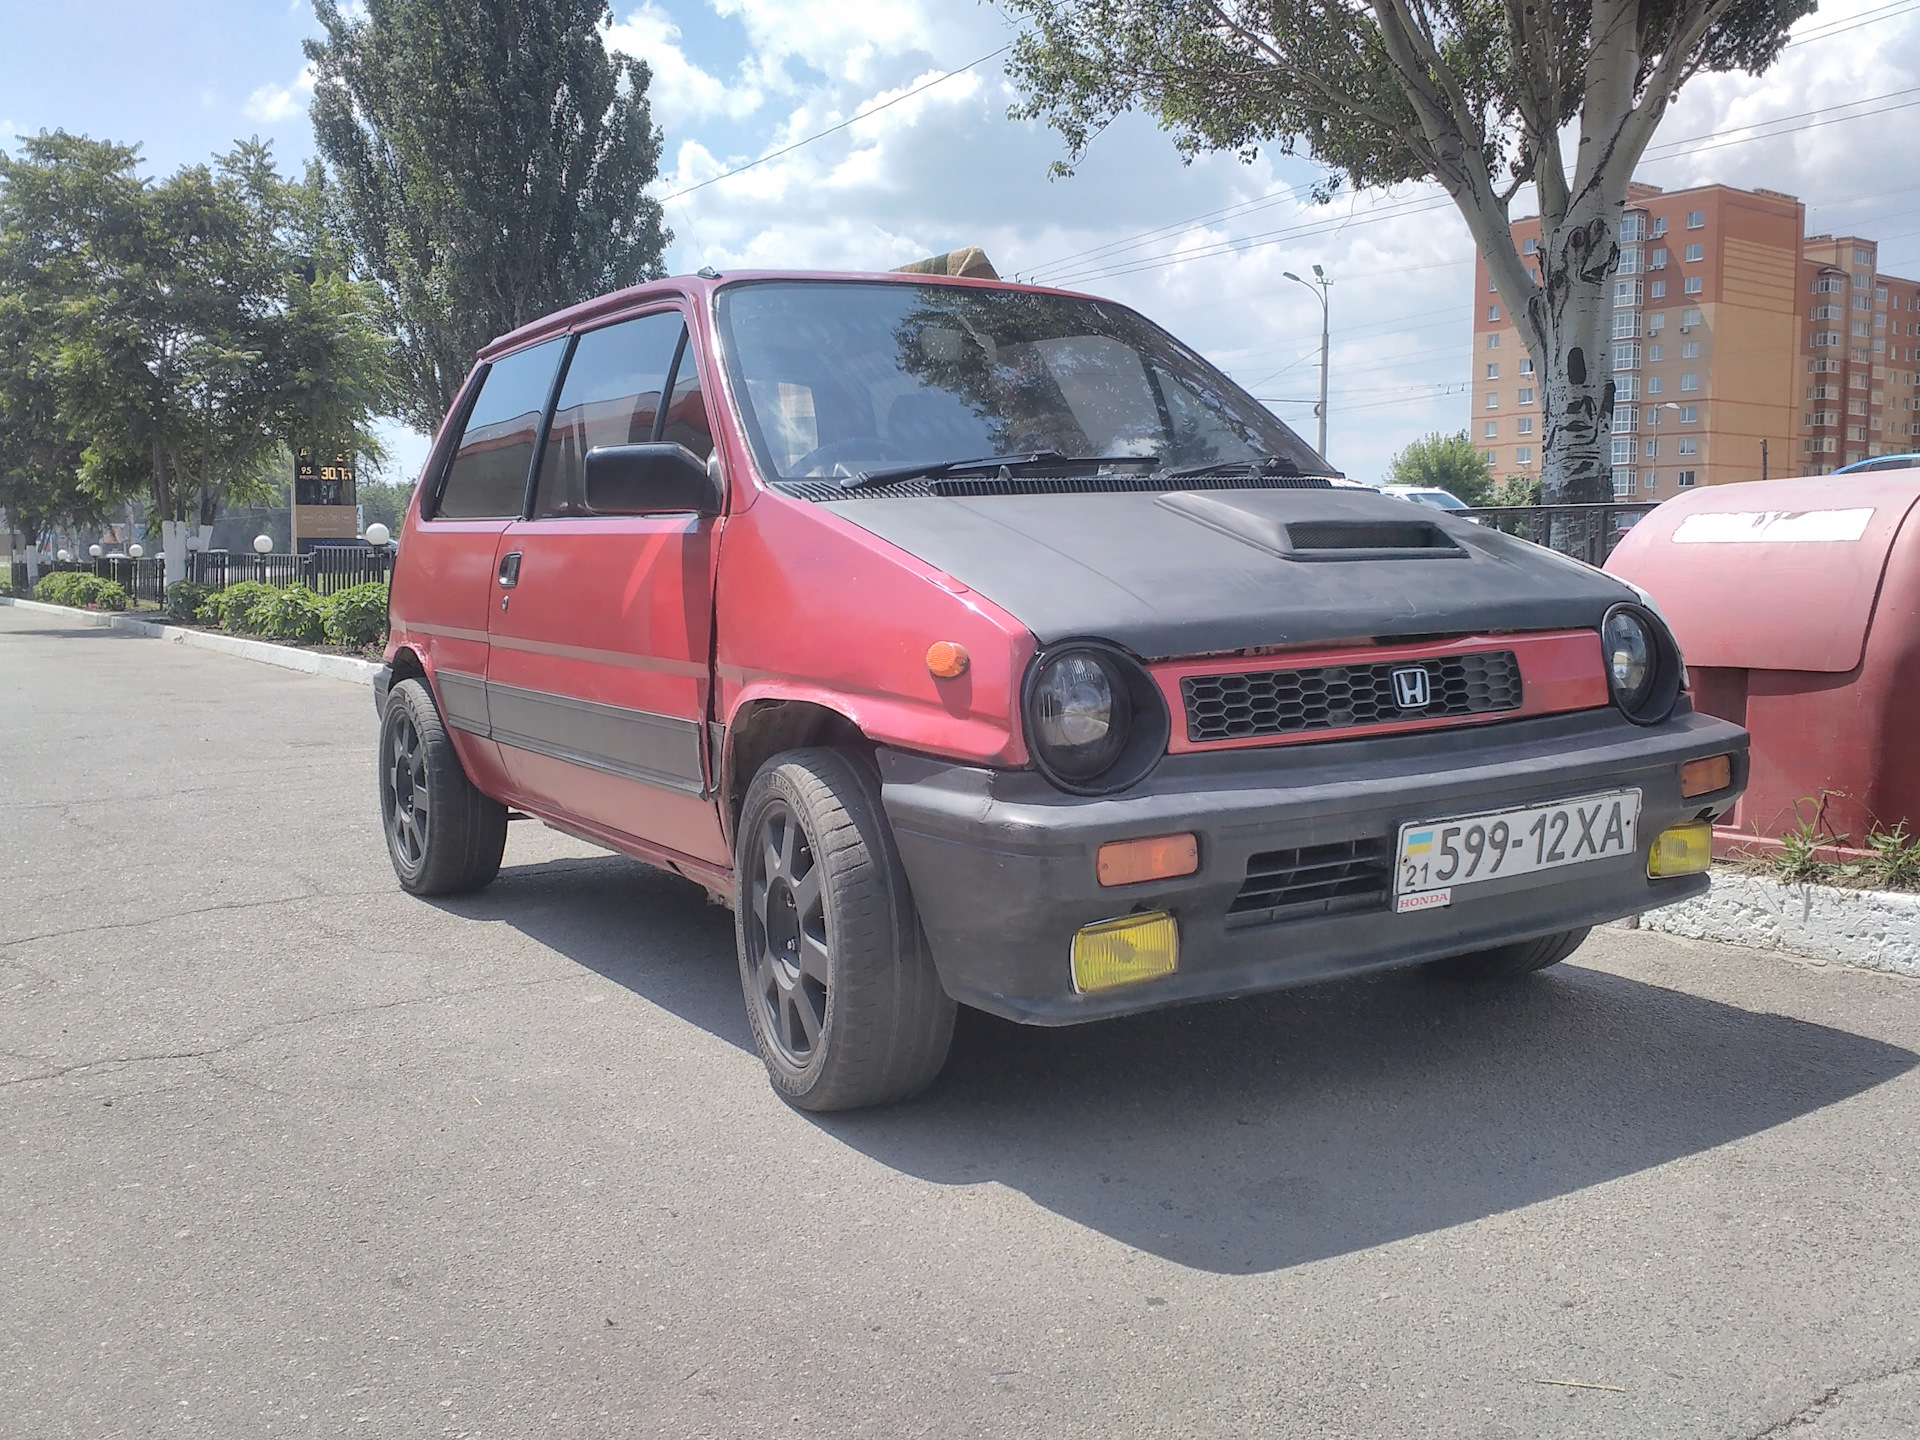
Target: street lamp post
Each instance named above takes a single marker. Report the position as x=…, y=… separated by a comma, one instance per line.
x=1320, y=281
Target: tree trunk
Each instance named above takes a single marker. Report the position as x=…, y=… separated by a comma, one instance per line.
x=1572, y=315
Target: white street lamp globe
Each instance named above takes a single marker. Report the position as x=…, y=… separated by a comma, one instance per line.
x=65, y=556
x=262, y=544
x=193, y=542
x=378, y=534
x=135, y=551
x=95, y=551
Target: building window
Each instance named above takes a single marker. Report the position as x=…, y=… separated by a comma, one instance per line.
x=1492, y=431
x=1826, y=340
x=1622, y=481
x=1862, y=256
x=1655, y=385
x=1830, y=285
x=1689, y=414
x=1633, y=227
x=1689, y=382
x=1493, y=459
x=1626, y=325
x=1657, y=258
x=1627, y=387
x=1696, y=253
x=1493, y=400
x=1493, y=342
x=1523, y=455
x=1880, y=293
x=1822, y=418
x=1689, y=446
x=1659, y=290
x=1696, y=219
x=1530, y=246
x=1689, y=349
x=1652, y=478
x=1652, y=449
x=1824, y=312
x=1622, y=452
x=1526, y=425
x=1694, y=284
x=1656, y=353
x=1656, y=322
x=1860, y=328
x=1860, y=302
x=1626, y=419
x=1525, y=397
x=1880, y=322
x=1493, y=312
x=1654, y=412
x=1493, y=370
x=1659, y=225
x=1856, y=432
x=1526, y=364
x=1879, y=345
x=1629, y=261
x=1862, y=280
x=1625, y=293
x=1684, y=479
x=1626, y=357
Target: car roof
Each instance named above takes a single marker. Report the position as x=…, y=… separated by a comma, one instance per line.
x=698, y=288
x=1880, y=462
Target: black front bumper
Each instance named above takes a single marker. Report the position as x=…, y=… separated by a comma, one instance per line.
x=1002, y=864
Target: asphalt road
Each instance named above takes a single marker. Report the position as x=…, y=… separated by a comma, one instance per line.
x=285, y=1152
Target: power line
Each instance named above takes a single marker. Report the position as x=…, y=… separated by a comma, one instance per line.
x=836, y=129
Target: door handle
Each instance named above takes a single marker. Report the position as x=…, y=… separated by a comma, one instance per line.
x=509, y=569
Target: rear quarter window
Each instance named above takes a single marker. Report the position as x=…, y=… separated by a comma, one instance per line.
x=487, y=479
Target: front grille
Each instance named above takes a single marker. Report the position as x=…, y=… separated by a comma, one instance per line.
x=1313, y=880
x=1338, y=697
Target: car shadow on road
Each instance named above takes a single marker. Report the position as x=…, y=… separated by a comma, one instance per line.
x=1263, y=1133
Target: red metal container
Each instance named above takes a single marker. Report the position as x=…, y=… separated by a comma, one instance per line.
x=1797, y=604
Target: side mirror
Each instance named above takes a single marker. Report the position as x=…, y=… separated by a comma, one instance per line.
x=649, y=480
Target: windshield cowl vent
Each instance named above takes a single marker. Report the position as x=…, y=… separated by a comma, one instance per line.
x=962, y=487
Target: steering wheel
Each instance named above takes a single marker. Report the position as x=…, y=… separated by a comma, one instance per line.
x=838, y=452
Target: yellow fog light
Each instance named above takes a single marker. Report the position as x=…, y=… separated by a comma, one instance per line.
x=1125, y=951
x=1683, y=850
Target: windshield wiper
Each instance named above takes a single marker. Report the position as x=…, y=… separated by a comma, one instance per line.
x=935, y=469
x=1258, y=465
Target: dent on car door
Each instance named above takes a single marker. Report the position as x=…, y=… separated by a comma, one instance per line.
x=450, y=552
x=598, y=672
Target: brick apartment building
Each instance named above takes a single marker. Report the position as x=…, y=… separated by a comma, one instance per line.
x=1736, y=336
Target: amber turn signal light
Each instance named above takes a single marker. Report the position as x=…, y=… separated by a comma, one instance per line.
x=1164, y=857
x=1703, y=777
x=1125, y=952
x=946, y=660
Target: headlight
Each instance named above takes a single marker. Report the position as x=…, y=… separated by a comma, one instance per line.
x=1095, y=719
x=1644, y=670
x=1629, y=658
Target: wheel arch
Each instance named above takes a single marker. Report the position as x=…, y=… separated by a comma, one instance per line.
x=764, y=727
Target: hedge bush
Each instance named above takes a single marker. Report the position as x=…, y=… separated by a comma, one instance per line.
x=357, y=617
x=81, y=590
x=294, y=614
x=186, y=599
x=238, y=608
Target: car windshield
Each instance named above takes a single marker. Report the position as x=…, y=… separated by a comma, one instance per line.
x=838, y=378
x=1438, y=499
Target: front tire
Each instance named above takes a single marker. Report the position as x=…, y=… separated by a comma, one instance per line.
x=841, y=992
x=1509, y=962
x=443, y=836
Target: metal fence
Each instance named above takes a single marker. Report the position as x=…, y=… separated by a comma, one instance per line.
x=1586, y=532
x=324, y=569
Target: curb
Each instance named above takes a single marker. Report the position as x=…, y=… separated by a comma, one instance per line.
x=1866, y=929
x=265, y=652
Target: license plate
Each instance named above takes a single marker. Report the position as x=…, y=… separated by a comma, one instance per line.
x=1436, y=857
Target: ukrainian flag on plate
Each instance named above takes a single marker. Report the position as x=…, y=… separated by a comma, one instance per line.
x=1420, y=844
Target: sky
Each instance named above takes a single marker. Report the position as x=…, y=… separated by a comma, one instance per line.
x=1203, y=249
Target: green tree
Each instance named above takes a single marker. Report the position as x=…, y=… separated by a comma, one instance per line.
x=1477, y=96
x=491, y=161
x=384, y=502
x=188, y=332
x=1445, y=462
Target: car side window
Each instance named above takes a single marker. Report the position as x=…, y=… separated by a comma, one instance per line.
x=488, y=477
x=611, y=396
x=686, y=419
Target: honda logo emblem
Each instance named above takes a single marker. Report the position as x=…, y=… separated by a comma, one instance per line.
x=1410, y=688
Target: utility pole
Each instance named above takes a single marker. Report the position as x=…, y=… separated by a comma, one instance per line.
x=1320, y=279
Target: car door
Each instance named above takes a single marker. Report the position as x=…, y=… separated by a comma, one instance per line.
x=599, y=666
x=443, y=591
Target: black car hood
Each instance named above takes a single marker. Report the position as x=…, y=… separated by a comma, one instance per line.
x=1196, y=572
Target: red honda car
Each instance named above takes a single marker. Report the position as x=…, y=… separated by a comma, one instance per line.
x=982, y=644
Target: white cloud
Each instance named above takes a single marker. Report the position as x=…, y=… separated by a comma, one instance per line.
x=946, y=168
x=271, y=104
x=681, y=90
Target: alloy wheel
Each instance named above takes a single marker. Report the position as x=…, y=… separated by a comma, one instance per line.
x=787, y=937
x=403, y=790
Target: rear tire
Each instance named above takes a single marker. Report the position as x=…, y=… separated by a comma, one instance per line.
x=1509, y=962
x=846, y=1007
x=443, y=836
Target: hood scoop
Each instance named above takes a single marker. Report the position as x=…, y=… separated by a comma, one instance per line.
x=1318, y=539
